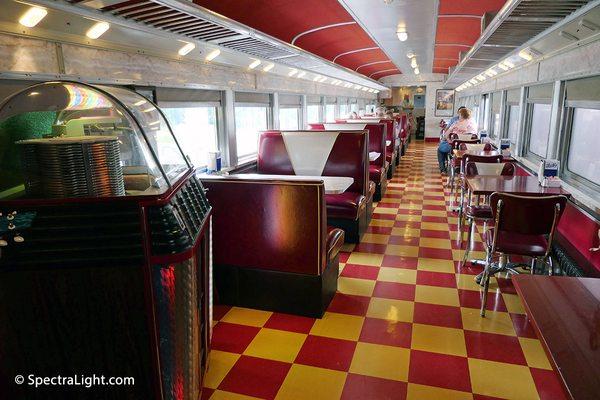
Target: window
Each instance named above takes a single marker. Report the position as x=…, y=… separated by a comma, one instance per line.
x=495, y=114
x=513, y=123
x=581, y=164
x=289, y=118
x=249, y=121
x=252, y=115
x=513, y=109
x=539, y=109
x=312, y=113
x=354, y=107
x=484, y=121
x=583, y=159
x=539, y=129
x=290, y=111
x=344, y=107
x=330, y=106
x=195, y=127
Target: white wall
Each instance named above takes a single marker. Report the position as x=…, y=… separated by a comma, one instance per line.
x=432, y=82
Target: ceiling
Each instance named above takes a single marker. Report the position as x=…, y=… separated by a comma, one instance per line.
x=322, y=27
x=381, y=21
x=458, y=28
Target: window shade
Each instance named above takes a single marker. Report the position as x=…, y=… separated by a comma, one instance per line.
x=513, y=97
x=583, y=90
x=290, y=100
x=330, y=100
x=311, y=99
x=188, y=95
x=540, y=94
x=249, y=97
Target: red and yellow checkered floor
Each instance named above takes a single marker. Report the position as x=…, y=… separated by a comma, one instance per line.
x=404, y=324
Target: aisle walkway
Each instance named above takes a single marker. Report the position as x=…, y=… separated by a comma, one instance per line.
x=405, y=323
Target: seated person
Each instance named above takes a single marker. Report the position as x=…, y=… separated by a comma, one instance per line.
x=464, y=125
x=353, y=115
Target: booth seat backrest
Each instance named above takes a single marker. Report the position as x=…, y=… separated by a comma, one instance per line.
x=316, y=127
x=376, y=136
x=268, y=224
x=349, y=156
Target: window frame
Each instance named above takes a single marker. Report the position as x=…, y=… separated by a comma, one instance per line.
x=529, y=105
x=194, y=104
x=269, y=115
x=570, y=177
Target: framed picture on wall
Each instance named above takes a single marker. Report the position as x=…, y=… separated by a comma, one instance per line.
x=444, y=103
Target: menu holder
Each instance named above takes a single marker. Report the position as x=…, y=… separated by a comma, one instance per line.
x=548, y=173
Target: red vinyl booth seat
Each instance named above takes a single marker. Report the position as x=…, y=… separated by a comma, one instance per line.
x=348, y=157
x=272, y=248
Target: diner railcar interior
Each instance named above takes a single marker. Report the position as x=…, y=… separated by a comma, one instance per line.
x=326, y=199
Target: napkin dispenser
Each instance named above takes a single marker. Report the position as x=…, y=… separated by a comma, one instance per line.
x=548, y=173
x=504, y=146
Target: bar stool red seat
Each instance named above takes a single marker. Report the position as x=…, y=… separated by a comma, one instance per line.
x=524, y=226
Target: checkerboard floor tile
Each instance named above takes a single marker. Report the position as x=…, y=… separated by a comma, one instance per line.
x=404, y=324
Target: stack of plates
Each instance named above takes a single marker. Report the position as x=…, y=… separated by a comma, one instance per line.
x=88, y=166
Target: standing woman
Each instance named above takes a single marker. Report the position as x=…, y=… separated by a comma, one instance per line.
x=464, y=125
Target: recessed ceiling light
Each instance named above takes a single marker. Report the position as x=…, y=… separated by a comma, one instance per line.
x=316, y=78
x=293, y=72
x=481, y=78
x=524, y=54
x=410, y=54
x=99, y=28
x=323, y=79
x=33, y=16
x=365, y=89
x=213, y=54
x=468, y=84
x=301, y=74
x=268, y=67
x=357, y=86
x=503, y=66
x=473, y=81
x=254, y=64
x=508, y=63
x=402, y=34
x=413, y=63
x=417, y=72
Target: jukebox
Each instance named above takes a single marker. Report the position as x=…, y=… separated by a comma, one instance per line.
x=105, y=266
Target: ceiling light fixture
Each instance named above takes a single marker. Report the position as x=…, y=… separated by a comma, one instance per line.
x=473, y=81
x=508, y=63
x=293, y=72
x=491, y=73
x=589, y=25
x=269, y=67
x=417, y=72
x=99, y=28
x=323, y=79
x=301, y=74
x=254, y=64
x=410, y=54
x=468, y=84
x=413, y=63
x=503, y=66
x=481, y=78
x=33, y=16
x=402, y=34
x=568, y=36
x=316, y=78
x=184, y=50
x=356, y=86
x=213, y=54
x=365, y=89
x=526, y=55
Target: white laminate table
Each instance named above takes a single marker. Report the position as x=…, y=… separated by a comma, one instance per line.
x=333, y=184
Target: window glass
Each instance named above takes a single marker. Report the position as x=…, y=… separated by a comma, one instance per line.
x=583, y=158
x=312, y=113
x=354, y=107
x=344, y=110
x=289, y=118
x=540, y=129
x=330, y=113
x=195, y=128
x=513, y=123
x=483, y=123
x=495, y=114
x=249, y=121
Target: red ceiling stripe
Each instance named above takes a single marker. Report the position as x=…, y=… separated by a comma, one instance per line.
x=330, y=42
x=469, y=7
x=355, y=60
x=458, y=30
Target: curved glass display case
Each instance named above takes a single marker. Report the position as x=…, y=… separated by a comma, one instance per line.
x=67, y=139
